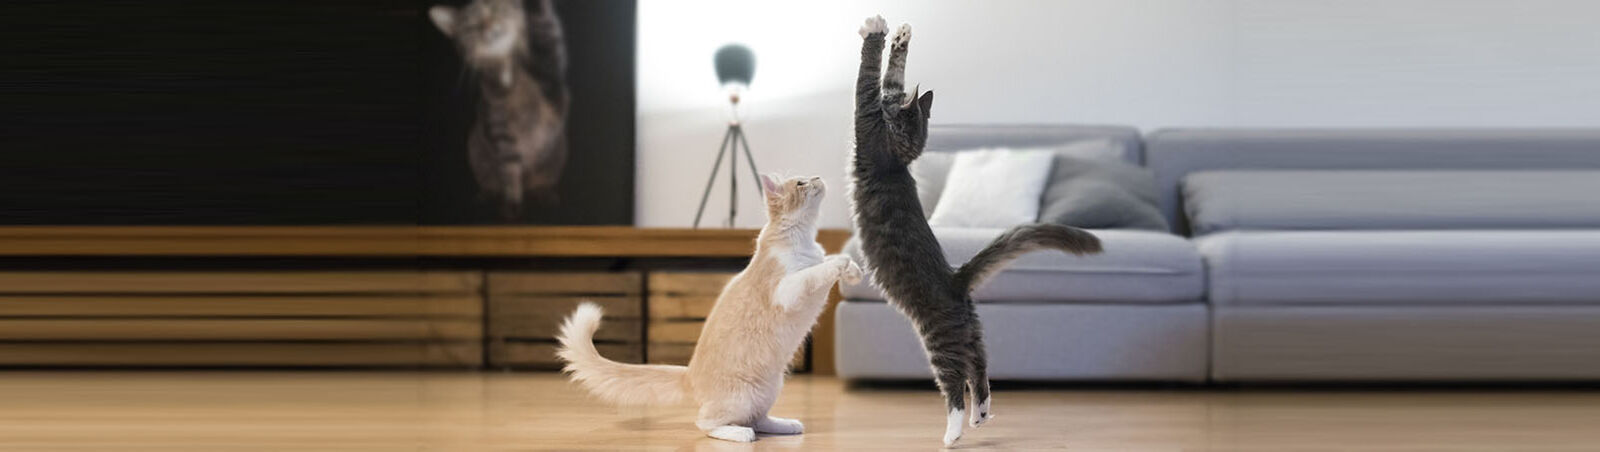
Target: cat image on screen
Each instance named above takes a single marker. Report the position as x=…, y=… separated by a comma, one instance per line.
x=517, y=145
x=902, y=254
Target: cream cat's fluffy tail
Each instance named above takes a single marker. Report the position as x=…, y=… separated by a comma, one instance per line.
x=625, y=384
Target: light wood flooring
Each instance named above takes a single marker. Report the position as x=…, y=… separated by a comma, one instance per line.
x=461, y=411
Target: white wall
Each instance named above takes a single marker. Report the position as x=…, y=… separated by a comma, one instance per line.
x=1146, y=63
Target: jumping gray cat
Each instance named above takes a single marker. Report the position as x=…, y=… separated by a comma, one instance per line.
x=518, y=145
x=901, y=252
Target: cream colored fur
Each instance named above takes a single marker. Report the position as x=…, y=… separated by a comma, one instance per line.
x=614, y=382
x=755, y=327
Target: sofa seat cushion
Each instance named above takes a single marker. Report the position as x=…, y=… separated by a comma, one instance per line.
x=1398, y=268
x=1333, y=199
x=1054, y=341
x=1136, y=267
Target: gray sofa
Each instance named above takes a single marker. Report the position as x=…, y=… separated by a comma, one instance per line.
x=1312, y=255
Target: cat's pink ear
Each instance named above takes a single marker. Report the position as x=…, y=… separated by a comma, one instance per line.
x=769, y=185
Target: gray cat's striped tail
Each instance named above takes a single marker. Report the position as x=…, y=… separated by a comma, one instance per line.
x=1020, y=240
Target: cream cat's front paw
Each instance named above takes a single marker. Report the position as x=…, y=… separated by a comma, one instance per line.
x=874, y=24
x=851, y=273
x=779, y=426
x=735, y=433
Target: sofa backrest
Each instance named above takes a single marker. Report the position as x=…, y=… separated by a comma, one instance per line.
x=957, y=137
x=945, y=139
x=1172, y=154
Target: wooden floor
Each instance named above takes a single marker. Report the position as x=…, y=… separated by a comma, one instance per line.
x=443, y=411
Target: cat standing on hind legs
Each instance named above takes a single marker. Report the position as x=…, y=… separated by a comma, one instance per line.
x=516, y=51
x=756, y=325
x=901, y=252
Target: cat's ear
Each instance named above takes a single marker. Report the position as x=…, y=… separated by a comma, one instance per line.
x=769, y=186
x=444, y=17
x=925, y=103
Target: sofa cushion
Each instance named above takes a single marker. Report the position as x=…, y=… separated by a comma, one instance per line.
x=993, y=188
x=1055, y=341
x=1101, y=194
x=1403, y=267
x=1331, y=199
x=932, y=169
x=1136, y=267
x=1173, y=154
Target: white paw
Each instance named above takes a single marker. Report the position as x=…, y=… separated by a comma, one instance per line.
x=981, y=414
x=874, y=24
x=902, y=36
x=851, y=273
x=952, y=427
x=780, y=426
x=733, y=433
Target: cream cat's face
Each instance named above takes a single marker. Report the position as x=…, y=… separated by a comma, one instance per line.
x=794, y=201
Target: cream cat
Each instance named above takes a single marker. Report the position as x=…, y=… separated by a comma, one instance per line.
x=755, y=327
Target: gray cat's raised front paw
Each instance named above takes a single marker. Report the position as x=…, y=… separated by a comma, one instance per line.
x=902, y=37
x=874, y=25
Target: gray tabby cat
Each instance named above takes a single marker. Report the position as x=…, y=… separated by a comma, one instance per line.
x=901, y=252
x=518, y=145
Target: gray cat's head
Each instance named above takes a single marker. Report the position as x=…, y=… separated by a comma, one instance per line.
x=910, y=127
x=490, y=34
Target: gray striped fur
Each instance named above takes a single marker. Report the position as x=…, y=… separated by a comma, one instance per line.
x=517, y=146
x=902, y=253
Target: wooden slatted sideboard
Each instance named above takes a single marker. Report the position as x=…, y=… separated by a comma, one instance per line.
x=208, y=318
x=359, y=296
x=526, y=310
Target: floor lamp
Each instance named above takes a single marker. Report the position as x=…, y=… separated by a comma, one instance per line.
x=736, y=65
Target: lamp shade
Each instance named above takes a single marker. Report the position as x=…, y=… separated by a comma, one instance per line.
x=735, y=64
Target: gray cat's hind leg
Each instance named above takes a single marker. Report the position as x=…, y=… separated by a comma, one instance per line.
x=978, y=379
x=950, y=356
x=951, y=375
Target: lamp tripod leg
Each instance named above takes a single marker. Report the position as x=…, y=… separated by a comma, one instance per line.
x=715, y=167
x=733, y=176
x=745, y=144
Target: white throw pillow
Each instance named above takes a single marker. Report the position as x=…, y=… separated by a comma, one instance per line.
x=931, y=168
x=993, y=188
x=930, y=171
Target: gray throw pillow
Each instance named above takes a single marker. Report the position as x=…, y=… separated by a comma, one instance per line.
x=1101, y=194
